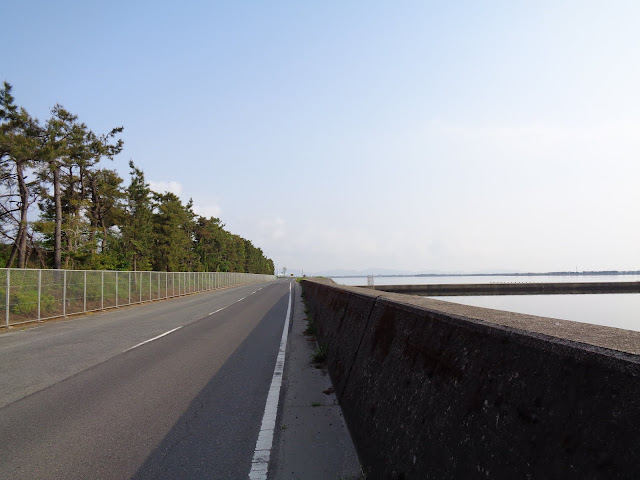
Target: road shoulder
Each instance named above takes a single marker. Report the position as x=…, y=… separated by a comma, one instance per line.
x=312, y=440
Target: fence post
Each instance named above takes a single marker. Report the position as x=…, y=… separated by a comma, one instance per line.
x=64, y=294
x=6, y=313
x=102, y=290
x=150, y=295
x=85, y=292
x=129, y=288
x=116, y=289
x=39, y=293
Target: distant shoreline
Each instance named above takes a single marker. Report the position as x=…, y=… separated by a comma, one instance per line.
x=558, y=274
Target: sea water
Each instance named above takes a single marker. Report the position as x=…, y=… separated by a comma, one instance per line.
x=619, y=310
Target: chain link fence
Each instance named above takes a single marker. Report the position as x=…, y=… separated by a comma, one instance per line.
x=30, y=295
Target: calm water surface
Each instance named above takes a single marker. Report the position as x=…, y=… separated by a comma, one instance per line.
x=620, y=310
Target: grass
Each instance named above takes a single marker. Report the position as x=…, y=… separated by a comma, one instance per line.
x=311, y=326
x=315, y=404
x=319, y=355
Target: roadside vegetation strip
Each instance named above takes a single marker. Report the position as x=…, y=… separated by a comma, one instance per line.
x=154, y=338
x=262, y=453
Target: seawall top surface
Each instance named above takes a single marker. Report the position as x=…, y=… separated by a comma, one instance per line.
x=617, y=339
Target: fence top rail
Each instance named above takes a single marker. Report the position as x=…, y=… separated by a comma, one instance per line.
x=121, y=271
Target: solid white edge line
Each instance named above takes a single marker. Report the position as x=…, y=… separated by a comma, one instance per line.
x=154, y=338
x=262, y=452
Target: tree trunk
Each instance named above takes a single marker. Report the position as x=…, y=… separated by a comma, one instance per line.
x=21, y=239
x=57, y=236
x=104, y=236
x=14, y=252
x=41, y=256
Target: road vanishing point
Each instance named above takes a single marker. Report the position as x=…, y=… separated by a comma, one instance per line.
x=170, y=389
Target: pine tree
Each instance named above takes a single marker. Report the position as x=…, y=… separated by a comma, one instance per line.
x=137, y=231
x=173, y=225
x=71, y=153
x=20, y=139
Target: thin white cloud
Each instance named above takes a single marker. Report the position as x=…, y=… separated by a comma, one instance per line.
x=208, y=210
x=163, y=187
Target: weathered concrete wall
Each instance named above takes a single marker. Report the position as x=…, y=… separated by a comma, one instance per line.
x=430, y=389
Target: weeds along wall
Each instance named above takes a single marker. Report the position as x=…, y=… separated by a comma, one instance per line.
x=431, y=394
x=28, y=295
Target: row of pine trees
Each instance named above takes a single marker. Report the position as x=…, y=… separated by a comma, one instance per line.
x=88, y=219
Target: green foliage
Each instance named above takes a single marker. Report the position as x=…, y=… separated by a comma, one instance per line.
x=173, y=230
x=137, y=231
x=319, y=355
x=88, y=219
x=311, y=325
x=221, y=251
x=25, y=302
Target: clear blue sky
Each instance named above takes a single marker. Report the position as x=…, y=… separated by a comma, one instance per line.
x=412, y=135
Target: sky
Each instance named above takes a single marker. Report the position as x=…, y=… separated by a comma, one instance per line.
x=416, y=136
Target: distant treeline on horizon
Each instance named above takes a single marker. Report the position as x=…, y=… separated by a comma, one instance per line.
x=88, y=219
x=529, y=274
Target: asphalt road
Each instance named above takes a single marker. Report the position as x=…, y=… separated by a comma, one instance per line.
x=77, y=401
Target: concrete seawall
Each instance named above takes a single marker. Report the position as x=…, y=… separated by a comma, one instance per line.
x=561, y=288
x=431, y=389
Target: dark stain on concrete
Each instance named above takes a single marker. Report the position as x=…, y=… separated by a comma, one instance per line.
x=384, y=333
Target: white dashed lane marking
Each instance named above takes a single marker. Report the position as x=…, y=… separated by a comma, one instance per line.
x=154, y=338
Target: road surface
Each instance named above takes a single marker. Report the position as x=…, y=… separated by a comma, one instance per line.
x=173, y=389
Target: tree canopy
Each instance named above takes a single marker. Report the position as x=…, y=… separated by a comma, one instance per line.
x=88, y=218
